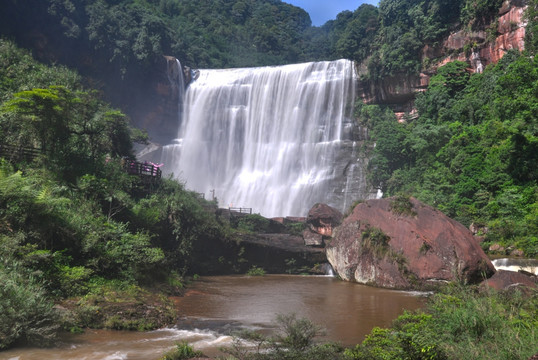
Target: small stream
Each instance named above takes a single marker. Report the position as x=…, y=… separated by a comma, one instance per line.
x=215, y=307
x=516, y=264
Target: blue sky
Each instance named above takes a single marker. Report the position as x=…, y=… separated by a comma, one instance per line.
x=323, y=10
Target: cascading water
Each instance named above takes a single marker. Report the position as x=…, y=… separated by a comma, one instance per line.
x=268, y=138
x=176, y=77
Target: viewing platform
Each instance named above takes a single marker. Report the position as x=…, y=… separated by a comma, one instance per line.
x=149, y=173
x=240, y=210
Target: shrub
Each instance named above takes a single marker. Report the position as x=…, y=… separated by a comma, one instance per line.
x=256, y=271
x=402, y=205
x=375, y=240
x=295, y=228
x=26, y=314
x=459, y=323
x=295, y=339
x=253, y=223
x=182, y=351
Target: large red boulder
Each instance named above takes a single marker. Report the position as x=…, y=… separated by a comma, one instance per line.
x=402, y=243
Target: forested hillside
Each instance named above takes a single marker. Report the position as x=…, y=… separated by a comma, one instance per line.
x=472, y=151
x=73, y=223
x=126, y=35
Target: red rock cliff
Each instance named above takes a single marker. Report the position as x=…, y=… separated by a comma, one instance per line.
x=478, y=48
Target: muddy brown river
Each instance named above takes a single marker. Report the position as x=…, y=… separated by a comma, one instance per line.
x=214, y=307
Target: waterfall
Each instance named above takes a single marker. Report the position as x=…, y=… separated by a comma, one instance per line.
x=267, y=138
x=176, y=77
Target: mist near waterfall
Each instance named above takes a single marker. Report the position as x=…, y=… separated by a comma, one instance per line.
x=266, y=138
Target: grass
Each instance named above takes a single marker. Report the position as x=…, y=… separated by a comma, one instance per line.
x=256, y=271
x=376, y=240
x=402, y=205
x=182, y=351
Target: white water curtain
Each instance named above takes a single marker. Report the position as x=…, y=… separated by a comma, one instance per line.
x=263, y=138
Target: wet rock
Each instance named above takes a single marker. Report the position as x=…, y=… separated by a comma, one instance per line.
x=321, y=221
x=280, y=253
x=312, y=239
x=403, y=243
x=505, y=280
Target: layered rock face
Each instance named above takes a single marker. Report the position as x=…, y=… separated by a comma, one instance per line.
x=483, y=50
x=478, y=48
x=402, y=243
x=161, y=117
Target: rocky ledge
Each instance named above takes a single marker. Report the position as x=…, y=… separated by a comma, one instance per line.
x=402, y=243
x=507, y=280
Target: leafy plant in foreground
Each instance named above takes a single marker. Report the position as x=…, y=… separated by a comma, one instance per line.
x=27, y=315
x=182, y=351
x=294, y=339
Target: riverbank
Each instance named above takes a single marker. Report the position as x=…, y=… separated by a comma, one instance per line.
x=127, y=308
x=212, y=309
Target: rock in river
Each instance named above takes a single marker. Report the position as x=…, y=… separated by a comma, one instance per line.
x=402, y=243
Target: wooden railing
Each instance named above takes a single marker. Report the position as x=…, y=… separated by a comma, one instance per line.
x=143, y=170
x=18, y=153
x=241, y=210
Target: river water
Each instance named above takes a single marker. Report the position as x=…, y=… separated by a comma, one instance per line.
x=214, y=307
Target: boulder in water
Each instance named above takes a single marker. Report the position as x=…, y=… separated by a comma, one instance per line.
x=505, y=280
x=402, y=243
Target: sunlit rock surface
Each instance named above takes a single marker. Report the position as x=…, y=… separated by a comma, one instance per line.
x=379, y=245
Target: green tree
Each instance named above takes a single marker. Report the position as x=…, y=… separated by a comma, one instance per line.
x=531, y=30
x=74, y=129
x=357, y=38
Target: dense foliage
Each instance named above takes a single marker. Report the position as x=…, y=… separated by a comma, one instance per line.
x=472, y=151
x=72, y=221
x=118, y=44
x=127, y=35
x=124, y=36
x=459, y=323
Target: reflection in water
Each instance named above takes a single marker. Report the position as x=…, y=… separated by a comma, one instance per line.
x=348, y=311
x=214, y=307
